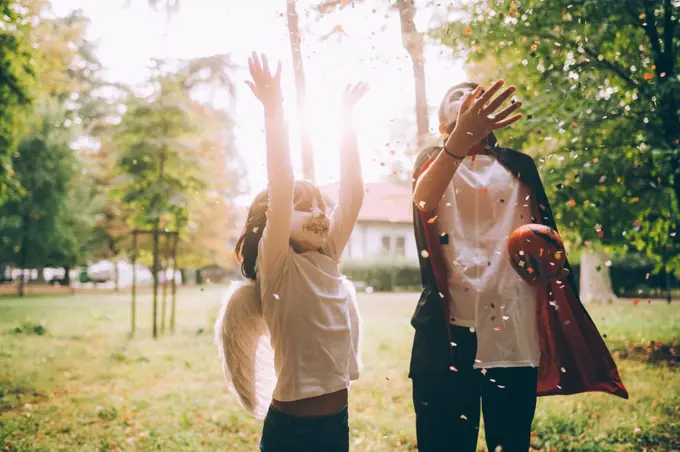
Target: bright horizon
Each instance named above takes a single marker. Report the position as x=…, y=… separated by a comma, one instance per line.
x=129, y=36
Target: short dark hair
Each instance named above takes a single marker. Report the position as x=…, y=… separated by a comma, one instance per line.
x=471, y=85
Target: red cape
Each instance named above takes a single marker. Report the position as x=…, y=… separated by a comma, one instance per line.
x=574, y=357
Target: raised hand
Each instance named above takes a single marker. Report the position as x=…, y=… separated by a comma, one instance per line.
x=353, y=94
x=265, y=86
x=477, y=117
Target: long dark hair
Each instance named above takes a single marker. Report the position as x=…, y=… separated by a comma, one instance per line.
x=247, y=245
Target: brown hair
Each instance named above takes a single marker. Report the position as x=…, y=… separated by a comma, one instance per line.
x=247, y=245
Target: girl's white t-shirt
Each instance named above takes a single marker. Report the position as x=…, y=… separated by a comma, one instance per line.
x=312, y=315
x=482, y=206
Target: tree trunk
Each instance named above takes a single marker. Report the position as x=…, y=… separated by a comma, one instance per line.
x=174, y=284
x=156, y=226
x=300, y=88
x=595, y=281
x=41, y=275
x=412, y=41
x=20, y=288
x=164, y=299
x=116, y=275
x=199, y=277
x=67, y=275
x=133, y=305
x=669, y=288
x=24, y=254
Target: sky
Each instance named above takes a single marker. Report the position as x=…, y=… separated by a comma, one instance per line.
x=369, y=49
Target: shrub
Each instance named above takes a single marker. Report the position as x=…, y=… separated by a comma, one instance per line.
x=384, y=275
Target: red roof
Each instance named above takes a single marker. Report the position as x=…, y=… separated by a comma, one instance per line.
x=383, y=202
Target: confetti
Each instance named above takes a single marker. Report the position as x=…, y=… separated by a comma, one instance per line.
x=464, y=417
x=563, y=369
x=424, y=254
x=453, y=369
x=468, y=31
x=472, y=329
x=276, y=296
x=432, y=220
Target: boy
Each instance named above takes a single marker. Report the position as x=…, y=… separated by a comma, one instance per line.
x=482, y=333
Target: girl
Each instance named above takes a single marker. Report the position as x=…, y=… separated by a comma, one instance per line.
x=296, y=300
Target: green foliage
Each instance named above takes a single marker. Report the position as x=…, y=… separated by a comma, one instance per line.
x=17, y=81
x=601, y=89
x=160, y=173
x=384, y=274
x=36, y=226
x=175, y=165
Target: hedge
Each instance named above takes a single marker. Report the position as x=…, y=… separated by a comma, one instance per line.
x=384, y=275
x=631, y=276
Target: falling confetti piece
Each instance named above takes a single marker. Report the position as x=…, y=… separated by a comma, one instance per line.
x=484, y=371
x=468, y=31
x=464, y=417
x=572, y=203
x=424, y=254
x=453, y=369
x=563, y=369
x=505, y=317
x=276, y=296
x=501, y=386
x=472, y=329
x=636, y=301
x=432, y=220
x=648, y=76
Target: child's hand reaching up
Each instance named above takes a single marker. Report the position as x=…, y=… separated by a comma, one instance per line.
x=352, y=95
x=265, y=86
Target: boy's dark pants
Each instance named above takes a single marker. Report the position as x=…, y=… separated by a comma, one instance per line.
x=447, y=405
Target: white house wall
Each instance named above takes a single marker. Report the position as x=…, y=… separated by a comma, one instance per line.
x=366, y=241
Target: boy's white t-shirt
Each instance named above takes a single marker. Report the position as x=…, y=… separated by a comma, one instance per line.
x=312, y=315
x=482, y=206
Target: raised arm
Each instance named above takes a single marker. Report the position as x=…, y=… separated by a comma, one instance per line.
x=476, y=120
x=274, y=245
x=351, y=192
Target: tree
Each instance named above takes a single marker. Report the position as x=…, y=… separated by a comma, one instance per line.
x=111, y=234
x=413, y=43
x=160, y=172
x=17, y=82
x=160, y=156
x=301, y=90
x=602, y=89
x=34, y=227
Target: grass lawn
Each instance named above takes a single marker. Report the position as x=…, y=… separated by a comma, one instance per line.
x=84, y=385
